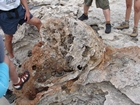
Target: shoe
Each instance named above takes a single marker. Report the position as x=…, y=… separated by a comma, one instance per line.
x=108, y=28
x=135, y=32
x=23, y=79
x=16, y=62
x=10, y=96
x=123, y=25
x=83, y=17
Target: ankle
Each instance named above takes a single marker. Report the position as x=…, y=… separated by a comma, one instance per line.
x=127, y=21
x=135, y=27
x=11, y=58
x=107, y=22
x=86, y=14
x=17, y=81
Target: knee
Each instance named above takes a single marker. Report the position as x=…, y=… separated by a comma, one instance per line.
x=38, y=21
x=137, y=9
x=38, y=24
x=128, y=6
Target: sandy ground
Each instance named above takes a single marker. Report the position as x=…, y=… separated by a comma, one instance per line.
x=3, y=101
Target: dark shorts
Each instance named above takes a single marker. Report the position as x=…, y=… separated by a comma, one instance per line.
x=9, y=25
x=103, y=4
x=88, y=2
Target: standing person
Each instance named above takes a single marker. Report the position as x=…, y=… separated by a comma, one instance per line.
x=8, y=71
x=125, y=24
x=104, y=5
x=12, y=13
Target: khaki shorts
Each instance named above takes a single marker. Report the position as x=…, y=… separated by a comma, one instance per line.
x=103, y=4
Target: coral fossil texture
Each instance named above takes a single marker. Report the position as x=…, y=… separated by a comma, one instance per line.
x=61, y=62
x=72, y=66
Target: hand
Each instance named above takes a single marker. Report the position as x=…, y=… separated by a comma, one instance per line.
x=27, y=16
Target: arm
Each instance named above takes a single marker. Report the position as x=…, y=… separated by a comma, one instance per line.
x=27, y=14
x=1, y=50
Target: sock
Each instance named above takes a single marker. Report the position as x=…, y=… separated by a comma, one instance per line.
x=86, y=14
x=127, y=21
x=107, y=22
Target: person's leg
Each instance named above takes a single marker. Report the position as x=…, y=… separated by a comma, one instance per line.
x=84, y=16
x=136, y=17
x=86, y=8
x=36, y=22
x=128, y=9
x=104, y=5
x=87, y=4
x=4, y=81
x=15, y=80
x=136, y=12
x=9, y=48
x=8, y=45
x=107, y=15
x=125, y=24
x=18, y=81
x=12, y=70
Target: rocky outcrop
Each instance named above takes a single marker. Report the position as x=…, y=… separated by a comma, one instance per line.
x=71, y=64
x=68, y=51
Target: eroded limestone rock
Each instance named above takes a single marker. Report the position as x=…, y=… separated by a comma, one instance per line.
x=71, y=65
x=68, y=51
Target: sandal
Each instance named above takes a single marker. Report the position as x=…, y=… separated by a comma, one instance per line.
x=23, y=79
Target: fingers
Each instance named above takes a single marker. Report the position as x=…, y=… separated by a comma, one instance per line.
x=27, y=17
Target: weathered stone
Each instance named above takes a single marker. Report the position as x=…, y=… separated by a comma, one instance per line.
x=119, y=68
x=70, y=49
